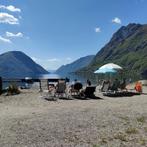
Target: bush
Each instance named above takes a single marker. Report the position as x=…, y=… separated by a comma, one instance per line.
x=13, y=89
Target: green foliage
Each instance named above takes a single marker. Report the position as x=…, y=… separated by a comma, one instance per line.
x=130, y=52
x=141, y=119
x=143, y=141
x=131, y=130
x=96, y=145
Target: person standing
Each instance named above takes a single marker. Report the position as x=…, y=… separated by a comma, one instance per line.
x=88, y=82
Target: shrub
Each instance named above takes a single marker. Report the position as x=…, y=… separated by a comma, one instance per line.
x=13, y=89
x=131, y=130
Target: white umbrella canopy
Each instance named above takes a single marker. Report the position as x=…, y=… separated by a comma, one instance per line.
x=109, y=69
x=111, y=66
x=105, y=70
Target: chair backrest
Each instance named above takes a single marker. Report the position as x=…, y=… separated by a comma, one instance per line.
x=61, y=86
x=78, y=86
x=115, y=85
x=89, y=90
x=105, y=87
x=43, y=84
x=122, y=86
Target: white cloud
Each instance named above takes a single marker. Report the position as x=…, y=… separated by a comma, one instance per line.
x=9, y=34
x=68, y=59
x=53, y=60
x=98, y=30
x=10, y=8
x=116, y=20
x=8, y=19
x=5, y=40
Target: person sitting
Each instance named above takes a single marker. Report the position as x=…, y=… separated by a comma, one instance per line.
x=138, y=87
x=75, y=89
x=51, y=88
x=115, y=85
x=88, y=82
x=105, y=86
x=88, y=92
x=123, y=85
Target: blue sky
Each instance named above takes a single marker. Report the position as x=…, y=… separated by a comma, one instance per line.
x=57, y=32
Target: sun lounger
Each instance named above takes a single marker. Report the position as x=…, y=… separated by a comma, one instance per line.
x=45, y=91
x=61, y=89
x=88, y=92
x=105, y=86
x=75, y=89
x=120, y=93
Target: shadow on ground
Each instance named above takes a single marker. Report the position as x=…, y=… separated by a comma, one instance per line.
x=73, y=98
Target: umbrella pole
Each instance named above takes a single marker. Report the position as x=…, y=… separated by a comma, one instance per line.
x=97, y=79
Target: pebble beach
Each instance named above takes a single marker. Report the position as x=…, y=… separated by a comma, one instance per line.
x=28, y=120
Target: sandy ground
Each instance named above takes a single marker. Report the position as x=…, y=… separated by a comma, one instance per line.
x=27, y=120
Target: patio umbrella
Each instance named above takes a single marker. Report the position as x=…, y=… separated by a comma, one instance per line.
x=111, y=66
x=105, y=70
x=109, y=69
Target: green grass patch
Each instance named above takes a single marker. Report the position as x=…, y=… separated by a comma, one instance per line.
x=131, y=130
x=95, y=145
x=141, y=119
x=145, y=129
x=121, y=136
x=142, y=141
x=103, y=141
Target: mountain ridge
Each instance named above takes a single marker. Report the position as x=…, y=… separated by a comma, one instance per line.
x=72, y=67
x=18, y=64
x=127, y=47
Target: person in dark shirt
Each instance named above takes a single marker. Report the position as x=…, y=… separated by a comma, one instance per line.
x=88, y=82
x=115, y=85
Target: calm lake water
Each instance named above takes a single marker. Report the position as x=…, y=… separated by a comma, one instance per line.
x=18, y=82
x=93, y=78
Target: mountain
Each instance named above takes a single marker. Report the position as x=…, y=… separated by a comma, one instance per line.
x=72, y=67
x=16, y=64
x=127, y=48
x=51, y=71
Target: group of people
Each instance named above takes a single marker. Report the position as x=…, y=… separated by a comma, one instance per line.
x=76, y=85
x=73, y=87
x=115, y=85
x=122, y=85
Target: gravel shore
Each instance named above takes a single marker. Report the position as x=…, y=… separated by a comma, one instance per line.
x=27, y=120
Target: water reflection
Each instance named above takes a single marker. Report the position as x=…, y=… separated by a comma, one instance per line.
x=49, y=76
x=72, y=77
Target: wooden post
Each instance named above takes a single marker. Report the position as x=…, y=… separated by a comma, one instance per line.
x=40, y=86
x=48, y=84
x=1, y=85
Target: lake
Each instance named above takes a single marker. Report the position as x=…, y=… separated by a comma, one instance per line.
x=94, y=78
x=18, y=82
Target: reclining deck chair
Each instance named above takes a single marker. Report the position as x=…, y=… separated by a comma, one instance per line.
x=61, y=89
x=88, y=92
x=119, y=90
x=75, y=89
x=105, y=86
x=44, y=90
